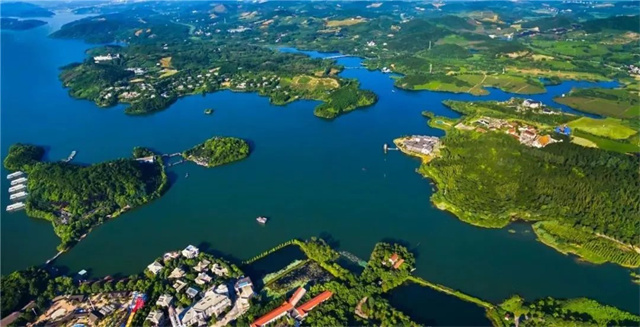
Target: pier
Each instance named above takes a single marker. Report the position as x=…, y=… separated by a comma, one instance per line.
x=386, y=148
x=353, y=258
x=70, y=157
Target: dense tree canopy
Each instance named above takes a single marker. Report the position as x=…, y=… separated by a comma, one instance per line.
x=23, y=156
x=218, y=151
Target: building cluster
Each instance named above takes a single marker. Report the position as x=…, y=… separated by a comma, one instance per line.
x=420, y=144
x=532, y=105
x=107, y=57
x=634, y=70
x=525, y=134
x=210, y=300
x=394, y=261
x=76, y=310
x=291, y=308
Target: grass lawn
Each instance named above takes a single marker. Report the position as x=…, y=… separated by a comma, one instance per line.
x=345, y=22
x=601, y=106
x=605, y=143
x=609, y=127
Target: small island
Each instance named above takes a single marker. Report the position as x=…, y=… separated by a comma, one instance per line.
x=218, y=151
x=20, y=24
x=208, y=111
x=76, y=198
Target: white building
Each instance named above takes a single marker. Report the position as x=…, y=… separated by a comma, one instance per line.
x=177, y=273
x=156, y=318
x=190, y=252
x=164, y=300
x=155, y=267
x=212, y=304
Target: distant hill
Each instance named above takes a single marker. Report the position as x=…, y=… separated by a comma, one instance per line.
x=549, y=23
x=23, y=9
x=621, y=23
x=18, y=24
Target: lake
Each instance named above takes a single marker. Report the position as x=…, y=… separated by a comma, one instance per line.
x=312, y=177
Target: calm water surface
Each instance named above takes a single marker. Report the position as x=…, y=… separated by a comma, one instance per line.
x=312, y=177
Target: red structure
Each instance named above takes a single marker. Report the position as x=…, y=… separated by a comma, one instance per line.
x=288, y=306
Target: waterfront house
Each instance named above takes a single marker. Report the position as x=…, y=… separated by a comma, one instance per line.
x=164, y=300
x=190, y=252
x=244, y=287
x=398, y=264
x=155, y=318
x=155, y=267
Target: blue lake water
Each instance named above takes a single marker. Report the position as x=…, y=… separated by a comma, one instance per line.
x=310, y=176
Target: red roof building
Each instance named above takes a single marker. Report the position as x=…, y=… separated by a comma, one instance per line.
x=309, y=305
x=398, y=263
x=273, y=315
x=393, y=258
x=297, y=295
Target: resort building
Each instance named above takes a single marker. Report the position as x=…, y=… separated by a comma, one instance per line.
x=177, y=273
x=190, y=252
x=203, y=265
x=155, y=318
x=203, y=278
x=155, y=267
x=192, y=292
x=164, y=300
x=421, y=144
x=178, y=285
x=219, y=270
x=288, y=307
x=212, y=304
x=244, y=287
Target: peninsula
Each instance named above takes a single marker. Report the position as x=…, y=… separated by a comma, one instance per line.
x=191, y=287
x=20, y=24
x=518, y=160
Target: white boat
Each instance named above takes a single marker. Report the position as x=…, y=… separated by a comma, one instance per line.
x=20, y=180
x=18, y=196
x=16, y=206
x=17, y=188
x=14, y=175
x=262, y=220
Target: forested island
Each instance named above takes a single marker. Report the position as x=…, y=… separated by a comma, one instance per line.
x=75, y=198
x=351, y=298
x=218, y=151
x=506, y=161
x=19, y=24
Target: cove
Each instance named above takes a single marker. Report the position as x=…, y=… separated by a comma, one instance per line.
x=310, y=176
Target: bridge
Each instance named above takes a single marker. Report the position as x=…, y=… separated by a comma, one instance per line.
x=353, y=258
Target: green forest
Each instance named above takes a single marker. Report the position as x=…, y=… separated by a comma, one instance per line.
x=23, y=156
x=75, y=198
x=490, y=179
x=218, y=151
x=345, y=99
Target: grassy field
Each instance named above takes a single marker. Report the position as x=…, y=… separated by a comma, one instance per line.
x=570, y=239
x=584, y=142
x=345, y=22
x=507, y=83
x=619, y=103
x=571, y=48
x=609, y=127
x=312, y=84
x=167, y=72
x=605, y=143
x=560, y=74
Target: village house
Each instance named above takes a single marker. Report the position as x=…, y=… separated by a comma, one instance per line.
x=244, y=287
x=219, y=270
x=179, y=285
x=192, y=292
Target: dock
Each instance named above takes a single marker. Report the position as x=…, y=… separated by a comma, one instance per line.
x=18, y=196
x=20, y=180
x=386, y=148
x=70, y=157
x=14, y=175
x=16, y=206
x=17, y=188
